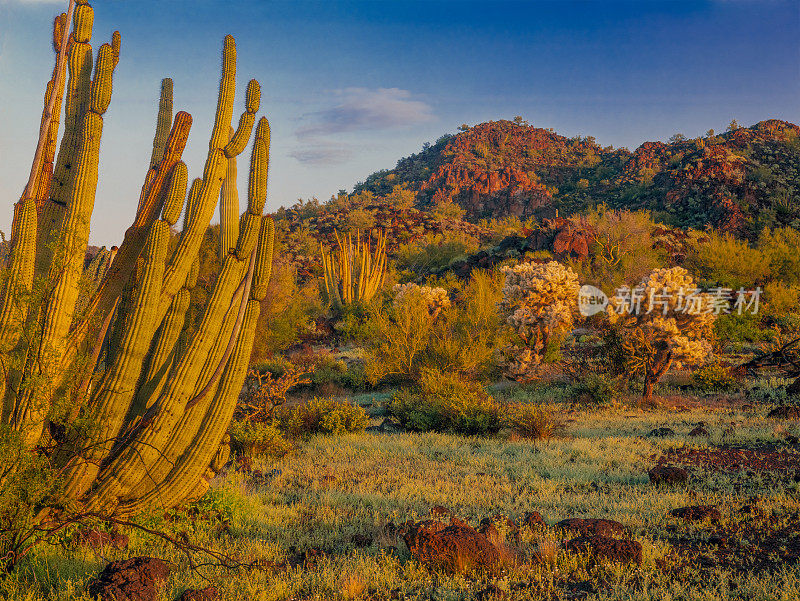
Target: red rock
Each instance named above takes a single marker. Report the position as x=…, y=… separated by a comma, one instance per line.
x=609, y=549
x=135, y=579
x=454, y=549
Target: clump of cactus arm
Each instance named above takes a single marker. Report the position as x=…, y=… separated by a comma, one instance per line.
x=354, y=271
x=129, y=403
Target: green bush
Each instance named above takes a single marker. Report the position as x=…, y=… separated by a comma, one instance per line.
x=596, y=390
x=529, y=420
x=713, y=377
x=445, y=402
x=769, y=391
x=324, y=416
x=461, y=338
x=252, y=438
x=738, y=329
x=29, y=484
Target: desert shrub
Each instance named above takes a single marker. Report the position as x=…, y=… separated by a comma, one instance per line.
x=29, y=486
x=288, y=311
x=266, y=387
x=623, y=248
x=529, y=420
x=255, y=438
x=724, y=260
x=539, y=303
x=324, y=416
x=445, y=402
x=738, y=329
x=676, y=331
x=713, y=377
x=768, y=390
x=596, y=391
x=424, y=329
x=781, y=298
x=781, y=248
x=433, y=252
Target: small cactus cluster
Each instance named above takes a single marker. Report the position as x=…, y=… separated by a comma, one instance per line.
x=354, y=272
x=158, y=395
x=672, y=327
x=539, y=303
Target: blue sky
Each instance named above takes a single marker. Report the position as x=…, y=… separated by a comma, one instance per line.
x=350, y=87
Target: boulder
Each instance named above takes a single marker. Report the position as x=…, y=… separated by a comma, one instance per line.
x=668, y=475
x=455, y=549
x=661, y=432
x=609, y=549
x=134, y=579
x=210, y=593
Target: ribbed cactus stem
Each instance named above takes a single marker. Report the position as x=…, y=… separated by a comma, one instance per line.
x=227, y=89
x=354, y=272
x=115, y=392
x=175, y=194
x=163, y=122
x=228, y=211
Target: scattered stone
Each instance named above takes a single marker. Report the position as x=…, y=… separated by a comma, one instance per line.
x=534, y=520
x=133, y=579
x=439, y=510
x=790, y=412
x=592, y=526
x=661, y=432
x=210, y=593
x=668, y=474
x=455, y=549
x=696, y=513
x=97, y=540
x=610, y=549
x=699, y=431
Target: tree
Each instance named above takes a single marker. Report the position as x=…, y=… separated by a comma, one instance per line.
x=677, y=138
x=733, y=125
x=539, y=303
x=663, y=321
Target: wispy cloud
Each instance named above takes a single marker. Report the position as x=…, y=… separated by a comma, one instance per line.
x=322, y=154
x=365, y=109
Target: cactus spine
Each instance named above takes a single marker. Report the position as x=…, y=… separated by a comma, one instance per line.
x=161, y=395
x=354, y=272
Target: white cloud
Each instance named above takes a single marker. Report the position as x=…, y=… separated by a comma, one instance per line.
x=322, y=154
x=365, y=109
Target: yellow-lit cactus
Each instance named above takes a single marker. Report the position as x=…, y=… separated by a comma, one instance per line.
x=160, y=394
x=354, y=272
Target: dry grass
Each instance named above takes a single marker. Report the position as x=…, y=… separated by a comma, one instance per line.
x=334, y=488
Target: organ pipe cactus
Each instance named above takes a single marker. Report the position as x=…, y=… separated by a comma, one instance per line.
x=157, y=396
x=354, y=272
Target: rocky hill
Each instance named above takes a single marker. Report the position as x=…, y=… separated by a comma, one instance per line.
x=739, y=181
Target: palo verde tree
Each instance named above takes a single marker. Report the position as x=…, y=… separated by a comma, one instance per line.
x=129, y=401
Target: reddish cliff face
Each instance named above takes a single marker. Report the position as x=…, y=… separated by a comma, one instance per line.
x=738, y=181
x=723, y=180
x=502, y=168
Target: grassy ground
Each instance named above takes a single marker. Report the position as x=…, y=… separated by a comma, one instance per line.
x=336, y=492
